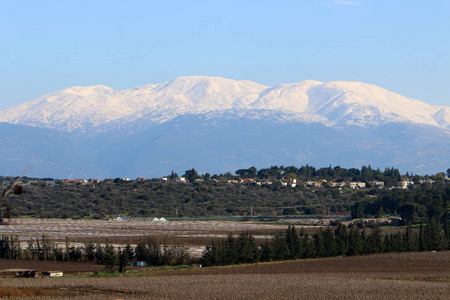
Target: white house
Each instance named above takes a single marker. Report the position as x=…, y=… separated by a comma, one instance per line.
x=357, y=185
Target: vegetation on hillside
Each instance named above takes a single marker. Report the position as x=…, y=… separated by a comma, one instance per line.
x=263, y=192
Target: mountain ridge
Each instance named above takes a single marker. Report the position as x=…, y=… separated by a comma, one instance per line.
x=330, y=103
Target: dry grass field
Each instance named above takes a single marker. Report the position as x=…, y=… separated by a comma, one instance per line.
x=78, y=230
x=390, y=276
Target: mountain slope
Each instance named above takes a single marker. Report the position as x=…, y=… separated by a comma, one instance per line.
x=217, y=125
x=227, y=143
x=50, y=152
x=330, y=103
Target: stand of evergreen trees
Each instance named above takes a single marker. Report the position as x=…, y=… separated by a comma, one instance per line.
x=325, y=243
x=412, y=205
x=149, y=249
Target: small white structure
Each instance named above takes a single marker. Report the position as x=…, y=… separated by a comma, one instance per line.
x=162, y=219
x=53, y=273
x=404, y=184
x=357, y=185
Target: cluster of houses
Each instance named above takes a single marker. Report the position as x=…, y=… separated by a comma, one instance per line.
x=405, y=183
x=292, y=182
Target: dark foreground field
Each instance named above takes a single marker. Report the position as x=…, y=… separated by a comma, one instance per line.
x=389, y=276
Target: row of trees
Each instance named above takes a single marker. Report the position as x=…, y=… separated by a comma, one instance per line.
x=149, y=249
x=290, y=244
x=366, y=173
x=389, y=175
x=324, y=243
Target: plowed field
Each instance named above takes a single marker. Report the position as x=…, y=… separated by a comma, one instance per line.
x=391, y=276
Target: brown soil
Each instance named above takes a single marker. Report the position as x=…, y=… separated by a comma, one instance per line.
x=398, y=264
x=391, y=276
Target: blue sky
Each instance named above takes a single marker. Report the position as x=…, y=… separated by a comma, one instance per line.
x=45, y=46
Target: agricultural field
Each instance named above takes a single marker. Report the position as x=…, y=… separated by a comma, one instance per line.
x=424, y=275
x=192, y=234
x=59, y=229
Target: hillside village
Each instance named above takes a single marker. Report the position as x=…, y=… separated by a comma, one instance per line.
x=404, y=183
x=274, y=191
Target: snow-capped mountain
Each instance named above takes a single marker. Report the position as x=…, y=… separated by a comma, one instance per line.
x=331, y=103
x=217, y=125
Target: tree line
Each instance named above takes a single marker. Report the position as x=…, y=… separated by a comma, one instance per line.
x=342, y=241
x=149, y=249
x=243, y=248
x=390, y=175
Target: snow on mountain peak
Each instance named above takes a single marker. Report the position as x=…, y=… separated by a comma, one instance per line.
x=362, y=103
x=443, y=117
x=337, y=102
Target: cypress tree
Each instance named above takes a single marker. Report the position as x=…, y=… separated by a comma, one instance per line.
x=280, y=247
x=434, y=238
x=130, y=251
x=375, y=240
x=397, y=242
x=329, y=243
x=110, y=259
x=354, y=242
x=141, y=251
x=319, y=245
x=123, y=260
x=307, y=245
x=246, y=248
x=422, y=244
x=388, y=243
x=266, y=251
x=99, y=254
x=411, y=239
x=89, y=252
x=293, y=241
x=231, y=250
x=341, y=239
x=365, y=245
x=4, y=247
